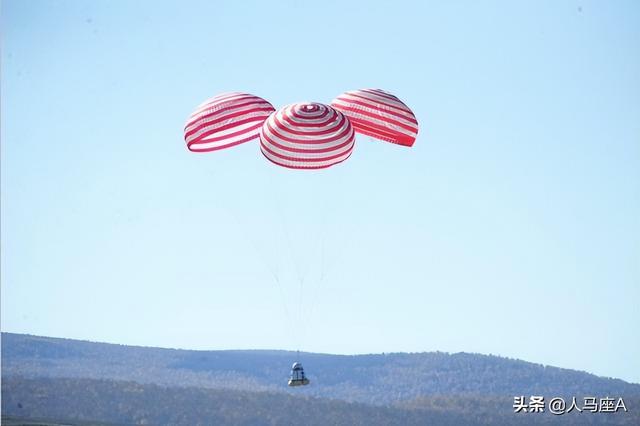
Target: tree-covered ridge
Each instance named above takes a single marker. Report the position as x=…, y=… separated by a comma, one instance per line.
x=373, y=379
x=90, y=401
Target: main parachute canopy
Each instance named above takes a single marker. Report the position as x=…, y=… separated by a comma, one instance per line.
x=307, y=135
x=226, y=120
x=379, y=114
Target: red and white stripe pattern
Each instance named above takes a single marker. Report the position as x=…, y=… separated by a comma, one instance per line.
x=379, y=114
x=226, y=120
x=307, y=136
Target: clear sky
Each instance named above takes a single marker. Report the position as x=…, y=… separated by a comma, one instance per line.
x=512, y=227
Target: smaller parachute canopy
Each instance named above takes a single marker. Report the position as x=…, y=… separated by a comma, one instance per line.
x=307, y=135
x=379, y=114
x=226, y=120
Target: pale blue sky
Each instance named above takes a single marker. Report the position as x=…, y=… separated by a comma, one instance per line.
x=512, y=227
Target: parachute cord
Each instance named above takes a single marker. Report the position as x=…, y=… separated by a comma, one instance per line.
x=301, y=311
x=285, y=230
x=299, y=273
x=315, y=289
x=288, y=326
x=273, y=272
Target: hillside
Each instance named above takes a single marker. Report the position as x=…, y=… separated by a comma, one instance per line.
x=89, y=401
x=371, y=379
x=46, y=377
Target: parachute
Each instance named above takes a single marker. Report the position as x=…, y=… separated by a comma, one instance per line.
x=226, y=120
x=306, y=135
x=379, y=114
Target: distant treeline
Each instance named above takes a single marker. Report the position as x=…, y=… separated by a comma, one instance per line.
x=88, y=382
x=89, y=401
x=372, y=379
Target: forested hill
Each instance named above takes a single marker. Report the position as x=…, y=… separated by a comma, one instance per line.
x=371, y=379
x=83, y=402
x=89, y=382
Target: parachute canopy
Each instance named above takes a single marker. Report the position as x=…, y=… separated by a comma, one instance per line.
x=379, y=114
x=307, y=136
x=226, y=120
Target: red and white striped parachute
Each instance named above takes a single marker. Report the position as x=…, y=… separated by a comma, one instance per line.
x=306, y=135
x=379, y=114
x=226, y=120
